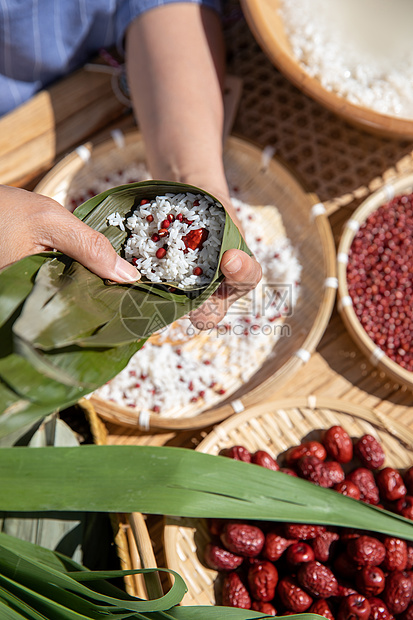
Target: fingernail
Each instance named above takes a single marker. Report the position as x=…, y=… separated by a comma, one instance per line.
x=234, y=264
x=125, y=271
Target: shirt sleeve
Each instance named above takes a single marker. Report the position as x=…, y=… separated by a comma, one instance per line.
x=129, y=9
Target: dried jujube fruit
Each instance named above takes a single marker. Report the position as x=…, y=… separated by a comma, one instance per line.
x=322, y=545
x=262, y=581
x=348, y=488
x=390, y=483
x=370, y=581
x=369, y=451
x=275, y=545
x=264, y=459
x=338, y=444
x=243, y=539
x=396, y=554
x=308, y=448
x=221, y=559
x=298, y=553
x=364, y=479
x=378, y=610
x=239, y=453
x=321, y=608
x=292, y=596
x=397, y=592
x=333, y=472
x=317, y=579
x=234, y=592
x=301, y=531
x=354, y=607
x=366, y=551
x=404, y=507
x=264, y=608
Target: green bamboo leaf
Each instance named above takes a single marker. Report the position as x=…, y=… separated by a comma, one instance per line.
x=29, y=383
x=18, y=414
x=12, y=608
x=16, y=282
x=72, y=608
x=36, y=577
x=36, y=553
x=56, y=279
x=155, y=480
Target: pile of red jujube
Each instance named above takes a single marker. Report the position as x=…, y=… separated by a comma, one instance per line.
x=379, y=278
x=339, y=573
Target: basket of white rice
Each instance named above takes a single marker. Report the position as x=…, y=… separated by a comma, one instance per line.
x=183, y=378
x=355, y=58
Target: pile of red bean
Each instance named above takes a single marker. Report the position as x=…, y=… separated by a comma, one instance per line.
x=380, y=278
x=339, y=573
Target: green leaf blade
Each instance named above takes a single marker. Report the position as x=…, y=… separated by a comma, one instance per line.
x=155, y=480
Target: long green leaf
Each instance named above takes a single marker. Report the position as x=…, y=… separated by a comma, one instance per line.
x=12, y=608
x=155, y=480
x=16, y=282
x=37, y=591
x=37, y=577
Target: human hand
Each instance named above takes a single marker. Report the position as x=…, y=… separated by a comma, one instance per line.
x=242, y=274
x=32, y=223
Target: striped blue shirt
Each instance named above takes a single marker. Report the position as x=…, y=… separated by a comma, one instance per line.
x=42, y=40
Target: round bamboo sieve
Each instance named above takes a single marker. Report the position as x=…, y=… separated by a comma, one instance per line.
x=274, y=427
x=375, y=355
x=265, y=21
x=260, y=182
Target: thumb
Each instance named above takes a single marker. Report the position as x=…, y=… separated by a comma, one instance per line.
x=69, y=235
x=240, y=269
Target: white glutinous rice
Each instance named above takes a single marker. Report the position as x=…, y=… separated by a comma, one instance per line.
x=360, y=50
x=174, y=238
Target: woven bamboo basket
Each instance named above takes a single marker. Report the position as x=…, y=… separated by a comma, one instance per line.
x=261, y=181
x=267, y=26
x=376, y=356
x=133, y=543
x=274, y=427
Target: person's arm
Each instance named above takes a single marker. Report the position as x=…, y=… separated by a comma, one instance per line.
x=32, y=223
x=175, y=65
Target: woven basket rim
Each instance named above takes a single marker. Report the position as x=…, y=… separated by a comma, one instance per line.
x=262, y=27
x=368, y=347
x=124, y=416
x=402, y=433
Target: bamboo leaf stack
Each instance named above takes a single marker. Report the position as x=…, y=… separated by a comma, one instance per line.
x=64, y=331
